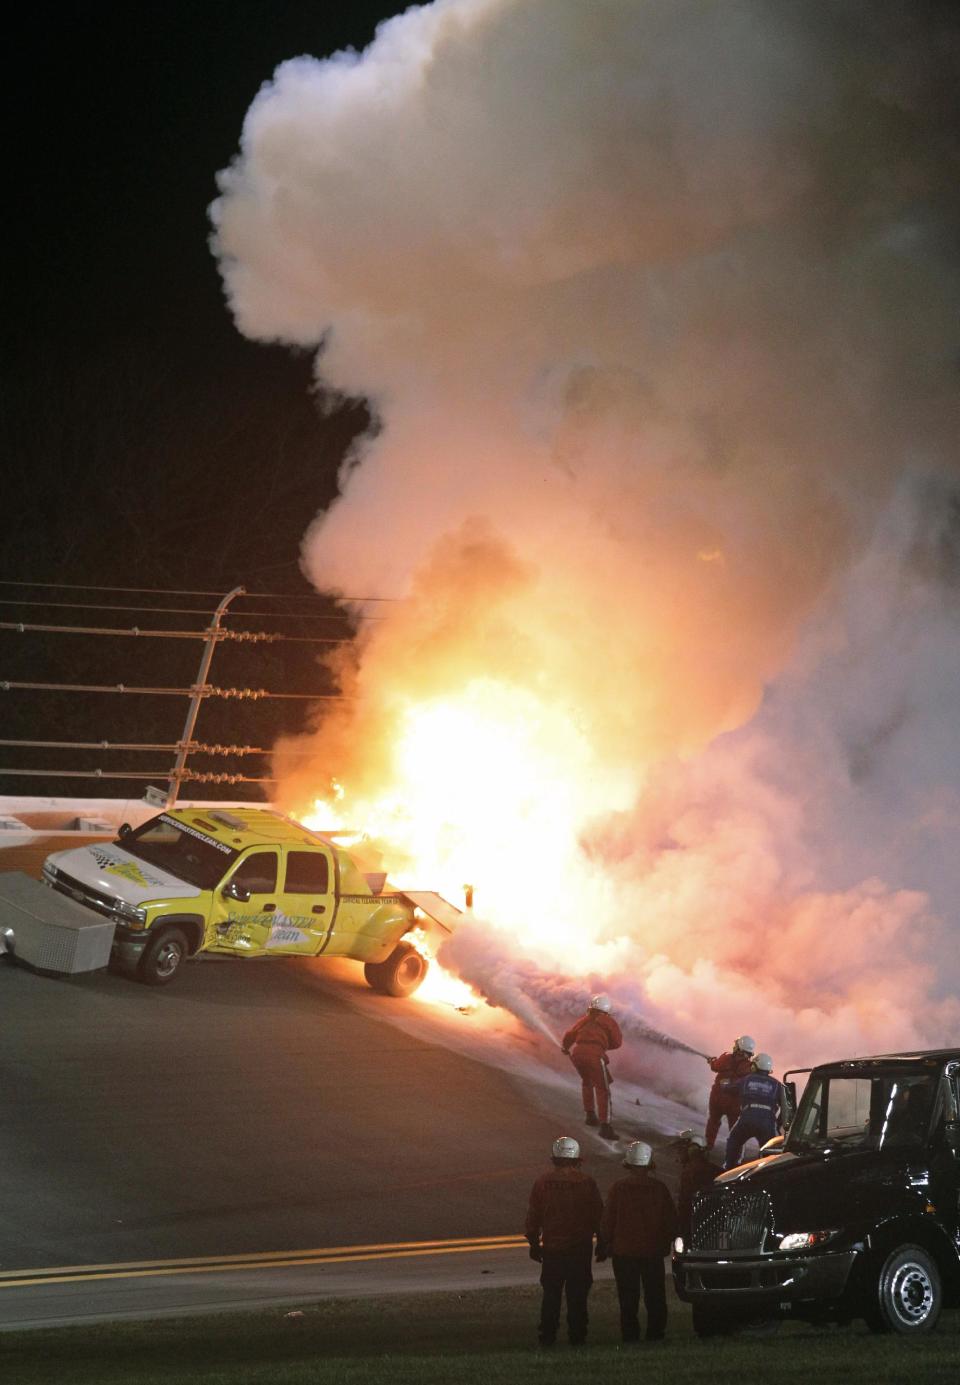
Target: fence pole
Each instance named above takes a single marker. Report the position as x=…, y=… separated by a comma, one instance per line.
x=197, y=695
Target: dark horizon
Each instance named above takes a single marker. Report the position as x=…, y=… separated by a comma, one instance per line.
x=147, y=443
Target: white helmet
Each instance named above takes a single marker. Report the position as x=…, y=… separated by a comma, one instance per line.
x=745, y=1044
x=763, y=1062
x=638, y=1156
x=601, y=1002
x=566, y=1148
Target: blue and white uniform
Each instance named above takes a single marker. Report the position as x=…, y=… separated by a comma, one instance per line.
x=761, y=1113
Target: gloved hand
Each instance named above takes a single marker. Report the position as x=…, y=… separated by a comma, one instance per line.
x=536, y=1254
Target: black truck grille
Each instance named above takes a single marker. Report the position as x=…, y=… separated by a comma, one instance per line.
x=731, y=1221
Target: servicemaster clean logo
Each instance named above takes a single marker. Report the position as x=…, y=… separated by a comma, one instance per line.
x=128, y=871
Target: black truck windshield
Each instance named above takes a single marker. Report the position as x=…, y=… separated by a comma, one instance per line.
x=181, y=850
x=875, y=1110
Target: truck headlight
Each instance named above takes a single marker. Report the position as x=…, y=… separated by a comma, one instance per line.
x=805, y=1240
x=678, y=1246
x=136, y=918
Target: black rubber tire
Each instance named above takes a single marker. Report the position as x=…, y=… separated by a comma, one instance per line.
x=908, y=1293
x=400, y=974
x=163, y=957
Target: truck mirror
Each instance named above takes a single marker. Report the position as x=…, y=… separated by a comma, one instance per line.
x=234, y=890
x=123, y=830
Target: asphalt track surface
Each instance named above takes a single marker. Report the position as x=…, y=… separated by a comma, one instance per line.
x=118, y=1292
x=260, y=1132
x=252, y=1108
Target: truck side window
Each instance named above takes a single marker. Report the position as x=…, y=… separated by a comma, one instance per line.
x=307, y=873
x=258, y=873
x=908, y=1111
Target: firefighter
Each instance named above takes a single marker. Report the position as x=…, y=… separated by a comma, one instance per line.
x=724, y=1098
x=562, y=1220
x=697, y=1174
x=639, y=1223
x=587, y=1043
x=761, y=1109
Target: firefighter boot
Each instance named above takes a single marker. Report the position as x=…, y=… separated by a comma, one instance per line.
x=591, y=1119
x=607, y=1132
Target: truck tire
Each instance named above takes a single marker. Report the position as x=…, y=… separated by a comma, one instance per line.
x=909, y=1294
x=163, y=957
x=400, y=974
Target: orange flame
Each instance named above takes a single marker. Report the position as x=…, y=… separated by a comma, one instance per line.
x=439, y=986
x=491, y=784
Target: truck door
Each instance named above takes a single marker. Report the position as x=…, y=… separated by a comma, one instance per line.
x=245, y=904
x=308, y=903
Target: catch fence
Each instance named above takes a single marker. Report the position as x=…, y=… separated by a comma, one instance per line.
x=216, y=632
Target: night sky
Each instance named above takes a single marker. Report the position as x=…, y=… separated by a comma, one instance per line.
x=146, y=443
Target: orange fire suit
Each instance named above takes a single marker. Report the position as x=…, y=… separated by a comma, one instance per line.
x=562, y=1219
x=587, y=1042
x=724, y=1096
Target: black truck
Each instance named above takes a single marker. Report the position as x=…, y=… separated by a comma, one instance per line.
x=855, y=1215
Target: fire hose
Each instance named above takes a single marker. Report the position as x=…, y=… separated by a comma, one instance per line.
x=608, y=1083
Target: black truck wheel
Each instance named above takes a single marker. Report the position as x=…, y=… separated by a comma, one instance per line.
x=909, y=1294
x=400, y=974
x=163, y=957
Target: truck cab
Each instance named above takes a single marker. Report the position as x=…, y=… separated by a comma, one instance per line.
x=247, y=882
x=857, y=1214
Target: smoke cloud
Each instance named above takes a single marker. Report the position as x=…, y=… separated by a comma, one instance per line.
x=656, y=302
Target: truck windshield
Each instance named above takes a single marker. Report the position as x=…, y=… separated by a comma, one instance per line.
x=181, y=850
x=863, y=1111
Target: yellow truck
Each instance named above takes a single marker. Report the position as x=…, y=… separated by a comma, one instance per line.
x=248, y=882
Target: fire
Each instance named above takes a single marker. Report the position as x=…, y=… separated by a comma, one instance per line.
x=439, y=986
x=491, y=784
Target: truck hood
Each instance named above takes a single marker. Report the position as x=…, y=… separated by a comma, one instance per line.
x=105, y=867
x=835, y=1188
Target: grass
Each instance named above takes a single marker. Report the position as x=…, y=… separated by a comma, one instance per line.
x=485, y=1336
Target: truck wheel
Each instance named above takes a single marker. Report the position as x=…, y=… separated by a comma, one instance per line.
x=163, y=957
x=909, y=1294
x=400, y=974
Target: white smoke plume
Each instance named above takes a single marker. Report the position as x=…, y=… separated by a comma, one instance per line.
x=656, y=302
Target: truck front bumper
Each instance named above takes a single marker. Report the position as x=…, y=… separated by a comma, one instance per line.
x=763, y=1280
x=128, y=945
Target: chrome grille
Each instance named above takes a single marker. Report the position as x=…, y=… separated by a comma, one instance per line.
x=734, y=1220
x=83, y=894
